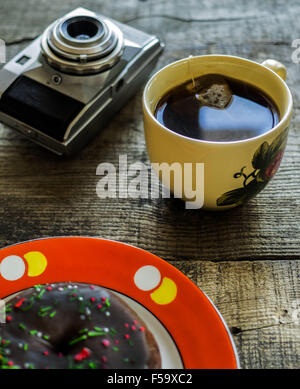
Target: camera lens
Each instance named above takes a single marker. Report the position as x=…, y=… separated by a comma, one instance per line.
x=82, y=28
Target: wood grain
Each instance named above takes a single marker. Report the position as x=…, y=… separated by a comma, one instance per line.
x=260, y=301
x=247, y=259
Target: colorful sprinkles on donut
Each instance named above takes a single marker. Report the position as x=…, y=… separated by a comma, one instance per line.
x=75, y=326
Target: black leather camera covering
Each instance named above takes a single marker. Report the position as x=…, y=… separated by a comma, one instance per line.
x=43, y=108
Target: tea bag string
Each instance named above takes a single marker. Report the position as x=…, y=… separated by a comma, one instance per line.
x=191, y=73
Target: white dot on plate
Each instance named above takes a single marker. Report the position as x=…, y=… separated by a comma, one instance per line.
x=12, y=268
x=147, y=277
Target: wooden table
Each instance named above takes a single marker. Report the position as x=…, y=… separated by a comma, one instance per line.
x=246, y=260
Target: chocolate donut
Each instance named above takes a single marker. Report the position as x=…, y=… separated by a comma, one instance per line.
x=74, y=326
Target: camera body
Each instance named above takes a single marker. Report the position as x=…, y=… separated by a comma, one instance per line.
x=64, y=87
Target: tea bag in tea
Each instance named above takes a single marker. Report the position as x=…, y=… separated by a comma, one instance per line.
x=213, y=91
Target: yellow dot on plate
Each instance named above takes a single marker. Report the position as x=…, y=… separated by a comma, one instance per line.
x=37, y=263
x=166, y=293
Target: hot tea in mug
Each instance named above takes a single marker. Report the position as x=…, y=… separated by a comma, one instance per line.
x=217, y=108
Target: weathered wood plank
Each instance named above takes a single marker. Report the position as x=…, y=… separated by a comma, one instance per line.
x=61, y=197
x=260, y=302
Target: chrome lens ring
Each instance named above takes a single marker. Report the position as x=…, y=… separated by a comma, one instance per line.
x=82, y=44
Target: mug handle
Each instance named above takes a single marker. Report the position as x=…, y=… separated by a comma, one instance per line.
x=276, y=66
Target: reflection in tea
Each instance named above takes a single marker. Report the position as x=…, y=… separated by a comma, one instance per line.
x=217, y=108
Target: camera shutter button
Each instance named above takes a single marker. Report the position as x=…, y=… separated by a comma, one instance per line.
x=56, y=79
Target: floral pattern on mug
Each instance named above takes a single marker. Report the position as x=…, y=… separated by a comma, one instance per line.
x=265, y=162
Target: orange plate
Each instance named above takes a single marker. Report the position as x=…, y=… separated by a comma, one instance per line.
x=198, y=330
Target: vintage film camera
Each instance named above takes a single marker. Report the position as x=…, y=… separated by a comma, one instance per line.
x=62, y=89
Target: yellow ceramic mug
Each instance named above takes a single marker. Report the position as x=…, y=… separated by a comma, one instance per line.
x=233, y=171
